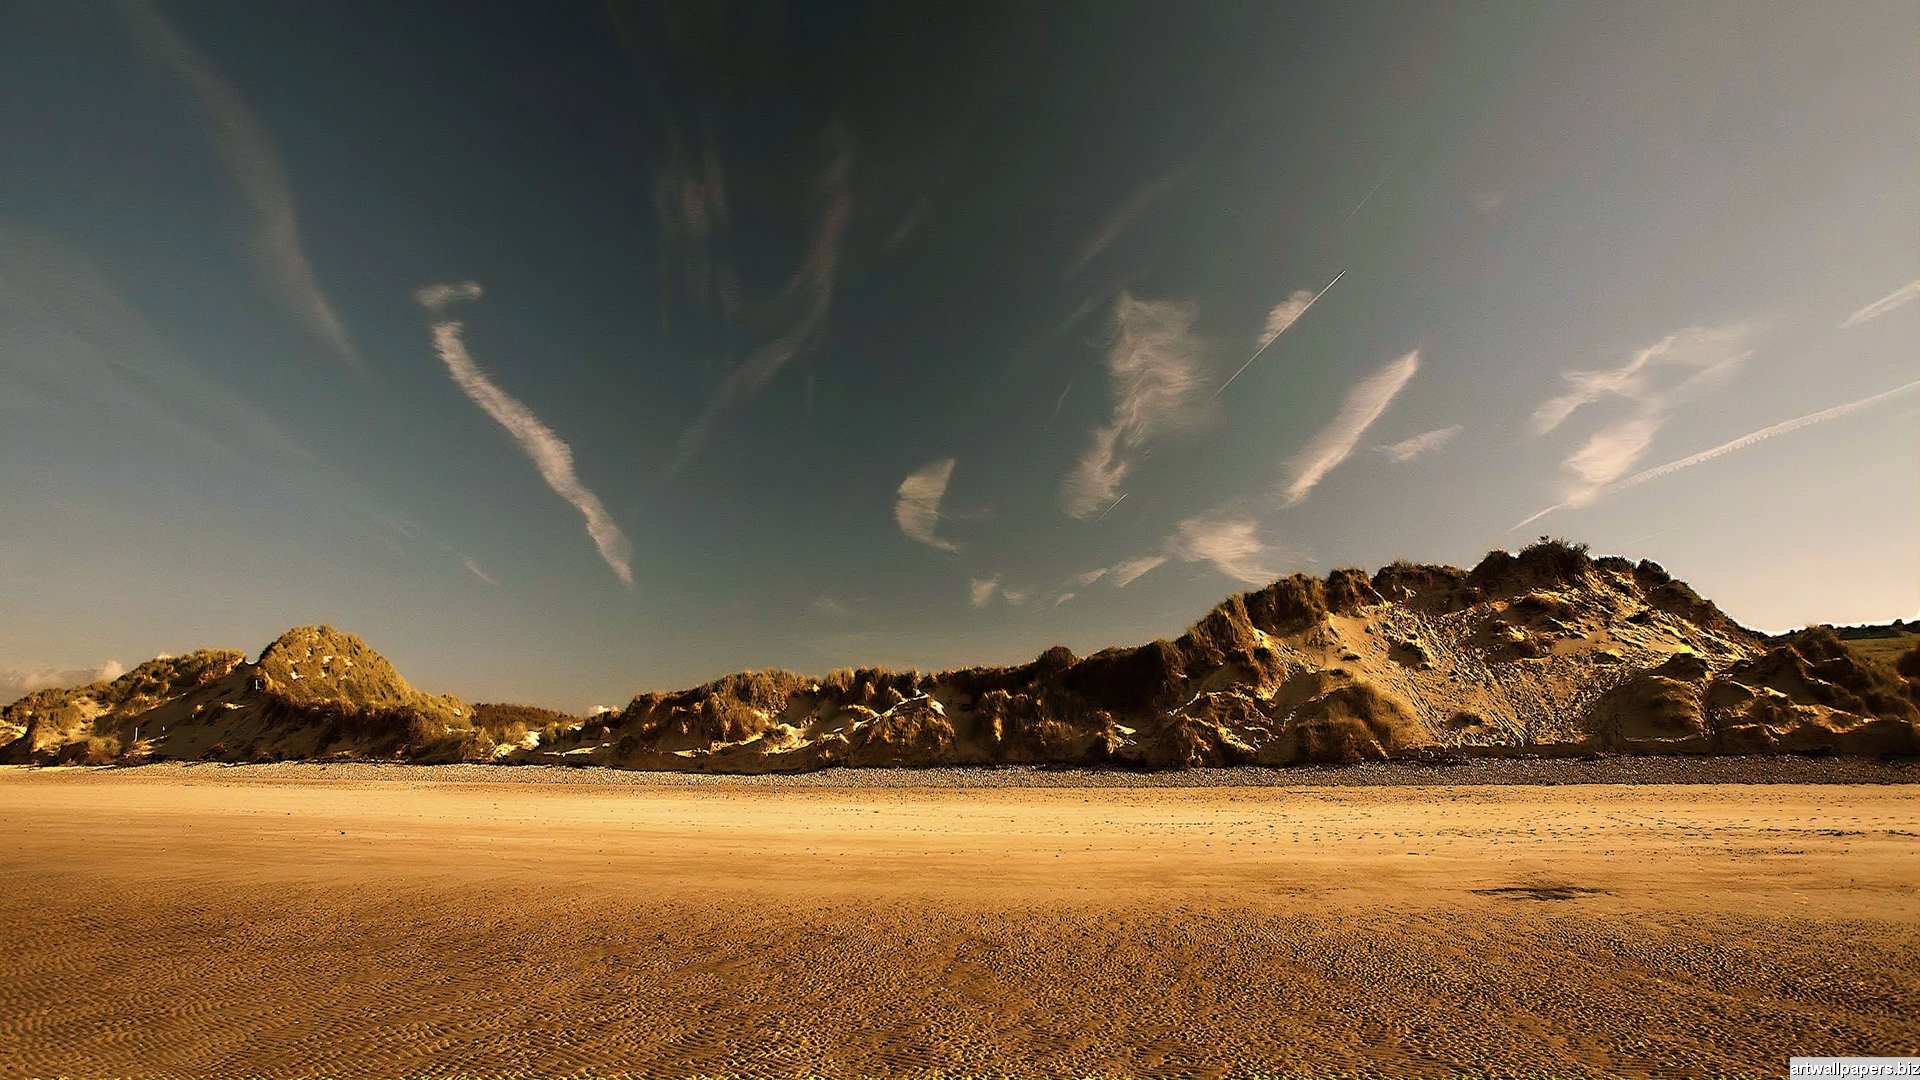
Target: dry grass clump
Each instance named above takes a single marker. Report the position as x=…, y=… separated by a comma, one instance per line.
x=93, y=750
x=510, y=724
x=1546, y=561
x=315, y=664
x=164, y=678
x=870, y=686
x=1842, y=678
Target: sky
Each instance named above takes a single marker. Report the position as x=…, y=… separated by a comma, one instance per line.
x=566, y=351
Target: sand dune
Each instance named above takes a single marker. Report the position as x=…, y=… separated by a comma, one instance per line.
x=205, y=921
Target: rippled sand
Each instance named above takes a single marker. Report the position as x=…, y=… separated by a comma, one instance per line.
x=209, y=922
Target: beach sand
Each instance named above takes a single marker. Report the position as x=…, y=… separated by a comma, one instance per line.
x=363, y=921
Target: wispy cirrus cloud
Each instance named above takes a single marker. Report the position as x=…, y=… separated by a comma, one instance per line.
x=262, y=181
x=917, y=506
x=1128, y=571
x=1231, y=544
x=472, y=566
x=550, y=455
x=436, y=297
x=1419, y=446
x=1650, y=383
x=1125, y=218
x=690, y=198
x=1153, y=364
x=803, y=304
x=980, y=590
x=1785, y=427
x=1334, y=443
x=1283, y=316
x=16, y=683
x=1646, y=376
x=1900, y=297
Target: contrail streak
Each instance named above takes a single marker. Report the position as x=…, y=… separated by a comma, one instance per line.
x=1269, y=342
x=1363, y=202
x=1784, y=427
x=1110, y=506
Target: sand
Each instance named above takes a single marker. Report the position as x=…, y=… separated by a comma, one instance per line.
x=201, y=921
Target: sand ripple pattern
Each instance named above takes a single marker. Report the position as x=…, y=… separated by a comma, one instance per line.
x=255, y=931
x=404, y=985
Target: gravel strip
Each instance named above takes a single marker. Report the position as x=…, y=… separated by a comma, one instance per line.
x=1605, y=770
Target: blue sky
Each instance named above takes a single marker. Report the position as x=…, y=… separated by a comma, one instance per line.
x=568, y=351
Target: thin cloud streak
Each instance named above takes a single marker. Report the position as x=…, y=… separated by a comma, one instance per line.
x=256, y=168
x=553, y=457
x=1129, y=571
x=1785, y=427
x=1615, y=448
x=811, y=288
x=1900, y=297
x=1229, y=542
x=473, y=567
x=1154, y=366
x=1708, y=351
x=1369, y=198
x=1125, y=218
x=1429, y=442
x=1283, y=316
x=917, y=508
x=1334, y=443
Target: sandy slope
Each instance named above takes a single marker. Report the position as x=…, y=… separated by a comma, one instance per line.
x=204, y=922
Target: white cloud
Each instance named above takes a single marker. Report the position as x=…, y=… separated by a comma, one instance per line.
x=256, y=168
x=1785, y=427
x=550, y=455
x=1900, y=297
x=1284, y=315
x=1229, y=543
x=918, y=507
x=1638, y=380
x=1608, y=454
x=980, y=590
x=436, y=297
x=1154, y=366
x=16, y=684
x=1335, y=442
x=1127, y=572
x=1427, y=442
x=473, y=567
x=1650, y=382
x=827, y=605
